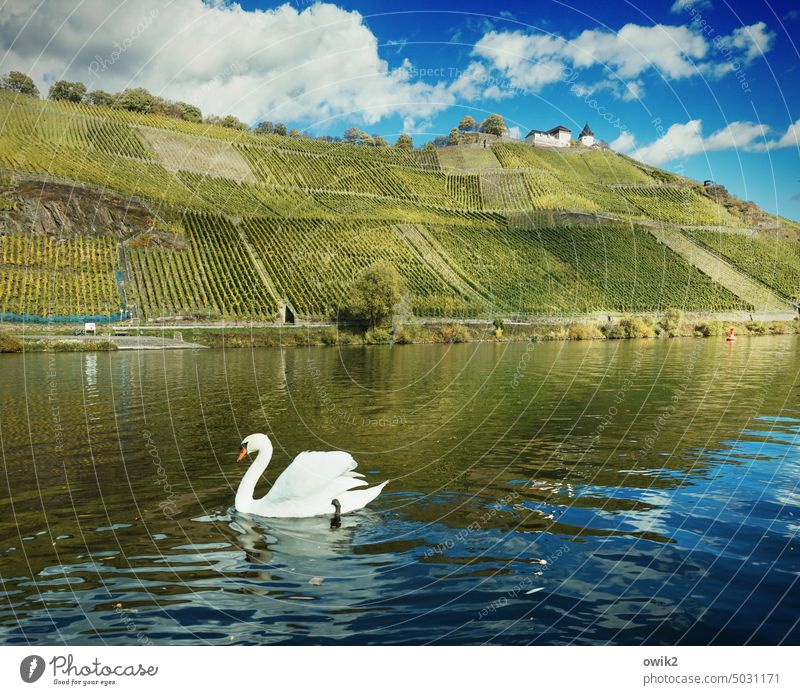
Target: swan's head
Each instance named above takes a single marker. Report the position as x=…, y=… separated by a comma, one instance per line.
x=252, y=444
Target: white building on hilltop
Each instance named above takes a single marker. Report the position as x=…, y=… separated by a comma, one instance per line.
x=586, y=137
x=555, y=137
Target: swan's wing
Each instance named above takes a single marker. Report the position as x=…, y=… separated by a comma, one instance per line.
x=312, y=472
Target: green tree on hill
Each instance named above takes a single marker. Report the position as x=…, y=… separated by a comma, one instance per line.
x=467, y=124
x=99, y=98
x=356, y=136
x=404, y=142
x=454, y=137
x=16, y=81
x=233, y=122
x=67, y=91
x=189, y=112
x=136, y=99
x=378, y=141
x=494, y=125
x=264, y=128
x=375, y=293
x=280, y=129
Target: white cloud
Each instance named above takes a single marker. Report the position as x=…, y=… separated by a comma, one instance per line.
x=685, y=5
x=751, y=41
x=533, y=60
x=515, y=132
x=636, y=49
x=282, y=64
x=686, y=139
x=790, y=138
x=626, y=142
x=633, y=90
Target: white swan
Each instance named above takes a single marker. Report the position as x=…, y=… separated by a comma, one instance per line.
x=307, y=487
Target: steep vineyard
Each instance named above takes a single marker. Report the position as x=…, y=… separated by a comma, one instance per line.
x=46, y=278
x=633, y=271
x=269, y=218
x=775, y=262
x=313, y=263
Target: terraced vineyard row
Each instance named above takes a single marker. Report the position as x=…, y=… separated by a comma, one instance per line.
x=676, y=205
x=351, y=205
x=632, y=270
x=45, y=277
x=313, y=263
x=465, y=189
x=775, y=262
x=26, y=110
x=592, y=166
x=214, y=277
x=314, y=172
x=512, y=272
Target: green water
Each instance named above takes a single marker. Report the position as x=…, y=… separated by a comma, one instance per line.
x=641, y=491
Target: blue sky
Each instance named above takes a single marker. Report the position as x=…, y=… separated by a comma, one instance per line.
x=706, y=88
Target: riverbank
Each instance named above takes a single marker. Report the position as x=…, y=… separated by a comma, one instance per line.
x=671, y=324
x=56, y=342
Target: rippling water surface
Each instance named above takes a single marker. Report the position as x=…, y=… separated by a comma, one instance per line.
x=566, y=493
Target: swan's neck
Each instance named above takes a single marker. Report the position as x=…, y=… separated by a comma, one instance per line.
x=244, y=495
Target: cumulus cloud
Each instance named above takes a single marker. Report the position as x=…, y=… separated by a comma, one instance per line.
x=683, y=5
x=313, y=64
x=533, y=60
x=626, y=142
x=750, y=41
x=790, y=138
x=683, y=140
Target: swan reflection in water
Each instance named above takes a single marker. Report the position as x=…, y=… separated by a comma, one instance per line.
x=305, y=551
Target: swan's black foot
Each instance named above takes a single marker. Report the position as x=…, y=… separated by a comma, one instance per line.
x=336, y=520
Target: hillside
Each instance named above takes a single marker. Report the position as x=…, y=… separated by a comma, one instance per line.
x=104, y=211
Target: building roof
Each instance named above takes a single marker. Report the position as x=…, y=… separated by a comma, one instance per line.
x=552, y=131
x=586, y=131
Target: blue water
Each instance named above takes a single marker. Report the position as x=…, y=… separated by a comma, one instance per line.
x=635, y=492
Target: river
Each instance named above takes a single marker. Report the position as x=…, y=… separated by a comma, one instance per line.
x=604, y=492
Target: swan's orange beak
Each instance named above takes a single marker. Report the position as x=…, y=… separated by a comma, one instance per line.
x=242, y=453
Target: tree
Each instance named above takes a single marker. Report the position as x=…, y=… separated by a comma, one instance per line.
x=441, y=141
x=233, y=122
x=67, y=91
x=280, y=129
x=16, y=81
x=404, y=142
x=352, y=136
x=189, y=112
x=264, y=128
x=494, y=125
x=99, y=98
x=137, y=99
x=294, y=133
x=454, y=137
x=467, y=123
x=375, y=293
x=428, y=146
x=378, y=141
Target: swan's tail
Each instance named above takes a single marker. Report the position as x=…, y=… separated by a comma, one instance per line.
x=357, y=499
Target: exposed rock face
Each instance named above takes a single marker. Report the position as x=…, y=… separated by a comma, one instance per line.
x=61, y=210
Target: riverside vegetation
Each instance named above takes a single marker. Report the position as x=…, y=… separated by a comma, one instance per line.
x=172, y=220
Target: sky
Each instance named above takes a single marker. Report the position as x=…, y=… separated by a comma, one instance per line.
x=704, y=88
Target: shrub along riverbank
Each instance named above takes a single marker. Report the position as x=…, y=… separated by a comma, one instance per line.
x=672, y=324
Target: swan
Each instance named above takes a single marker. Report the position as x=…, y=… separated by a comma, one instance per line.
x=308, y=487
